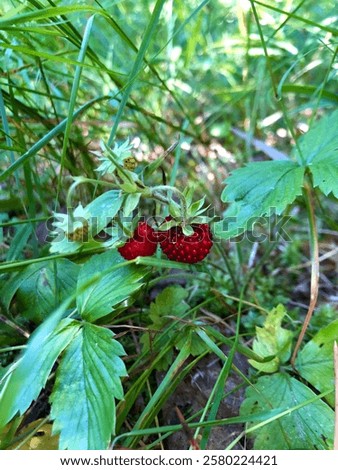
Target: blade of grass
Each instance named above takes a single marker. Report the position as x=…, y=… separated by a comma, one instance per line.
x=278, y=415
x=217, y=393
x=27, y=171
x=72, y=101
x=309, y=90
x=161, y=394
x=279, y=98
x=49, y=136
x=323, y=27
x=8, y=139
x=266, y=416
x=148, y=35
x=46, y=13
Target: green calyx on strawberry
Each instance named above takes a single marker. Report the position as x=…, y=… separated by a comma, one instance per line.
x=142, y=243
x=185, y=236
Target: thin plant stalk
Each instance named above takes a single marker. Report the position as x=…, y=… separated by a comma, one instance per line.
x=314, y=268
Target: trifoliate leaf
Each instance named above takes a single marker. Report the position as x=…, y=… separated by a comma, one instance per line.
x=315, y=361
x=259, y=189
x=102, y=284
x=272, y=340
x=31, y=371
x=87, y=381
x=309, y=425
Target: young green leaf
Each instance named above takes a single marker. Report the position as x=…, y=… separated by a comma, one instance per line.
x=272, y=340
x=317, y=355
x=112, y=284
x=259, y=189
x=309, y=427
x=31, y=371
x=168, y=304
x=171, y=301
x=87, y=381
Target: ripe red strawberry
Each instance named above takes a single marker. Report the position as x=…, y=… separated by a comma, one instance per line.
x=186, y=249
x=142, y=243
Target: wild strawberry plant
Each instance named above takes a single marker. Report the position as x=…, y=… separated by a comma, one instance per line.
x=89, y=367
x=107, y=325
x=88, y=358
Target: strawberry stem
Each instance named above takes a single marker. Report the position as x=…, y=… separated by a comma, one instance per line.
x=181, y=197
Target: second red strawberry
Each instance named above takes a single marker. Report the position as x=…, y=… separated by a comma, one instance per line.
x=186, y=248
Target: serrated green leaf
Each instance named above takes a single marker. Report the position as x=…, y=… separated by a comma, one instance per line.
x=272, y=340
x=259, y=189
x=310, y=427
x=263, y=185
x=103, y=209
x=171, y=301
x=320, y=142
x=40, y=287
x=87, y=381
x=31, y=371
x=325, y=175
x=114, y=284
x=168, y=306
x=315, y=361
x=318, y=151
